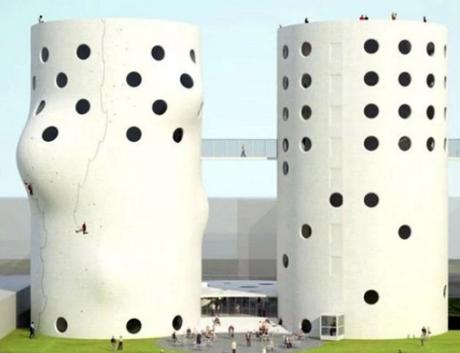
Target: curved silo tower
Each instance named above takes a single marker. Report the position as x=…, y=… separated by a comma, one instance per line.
x=362, y=164
x=110, y=156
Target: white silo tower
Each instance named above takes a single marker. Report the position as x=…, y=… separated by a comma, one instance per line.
x=362, y=189
x=110, y=156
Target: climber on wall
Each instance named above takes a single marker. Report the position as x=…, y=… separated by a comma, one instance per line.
x=29, y=189
x=82, y=229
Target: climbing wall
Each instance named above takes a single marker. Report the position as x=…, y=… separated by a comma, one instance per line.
x=110, y=158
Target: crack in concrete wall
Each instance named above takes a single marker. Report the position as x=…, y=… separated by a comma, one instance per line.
x=104, y=134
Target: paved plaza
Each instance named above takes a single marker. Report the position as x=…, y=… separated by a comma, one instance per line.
x=223, y=344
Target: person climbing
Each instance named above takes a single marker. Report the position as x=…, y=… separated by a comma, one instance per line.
x=82, y=229
x=306, y=20
x=29, y=189
x=424, y=19
x=361, y=18
x=40, y=19
x=394, y=15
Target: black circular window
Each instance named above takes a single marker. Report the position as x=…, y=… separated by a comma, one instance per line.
x=404, y=143
x=45, y=54
x=186, y=80
x=133, y=326
x=61, y=325
x=306, y=49
x=430, y=80
x=285, y=145
x=371, y=297
x=371, y=110
x=193, y=55
x=404, y=232
x=404, y=79
x=305, y=326
x=50, y=134
x=133, y=134
x=430, y=144
x=371, y=78
x=285, y=261
x=306, y=112
x=336, y=199
x=285, y=168
x=305, y=230
x=178, y=134
x=371, y=200
x=306, y=144
x=371, y=46
x=177, y=322
x=430, y=112
x=285, y=51
x=159, y=107
x=40, y=107
x=285, y=114
x=133, y=79
x=83, y=51
x=82, y=106
x=306, y=80
x=61, y=80
x=404, y=111
x=371, y=143
x=285, y=82
x=430, y=48
x=404, y=47
x=158, y=53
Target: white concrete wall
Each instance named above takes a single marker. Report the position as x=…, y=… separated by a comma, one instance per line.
x=355, y=248
x=7, y=312
x=142, y=200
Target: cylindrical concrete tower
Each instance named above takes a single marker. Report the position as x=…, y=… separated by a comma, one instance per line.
x=362, y=189
x=110, y=157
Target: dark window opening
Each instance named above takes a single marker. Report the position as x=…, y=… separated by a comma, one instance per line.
x=371, y=78
x=158, y=53
x=61, y=325
x=83, y=51
x=404, y=47
x=404, y=143
x=61, y=80
x=404, y=111
x=336, y=199
x=371, y=46
x=371, y=200
x=404, y=232
x=133, y=134
x=133, y=79
x=371, y=110
x=404, y=79
x=371, y=297
x=50, y=134
x=371, y=143
x=159, y=107
x=177, y=322
x=133, y=326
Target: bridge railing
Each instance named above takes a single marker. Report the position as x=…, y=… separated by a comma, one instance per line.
x=266, y=148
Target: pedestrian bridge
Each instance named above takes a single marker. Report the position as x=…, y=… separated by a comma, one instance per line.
x=251, y=149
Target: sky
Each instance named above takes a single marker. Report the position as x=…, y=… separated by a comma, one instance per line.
x=239, y=68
